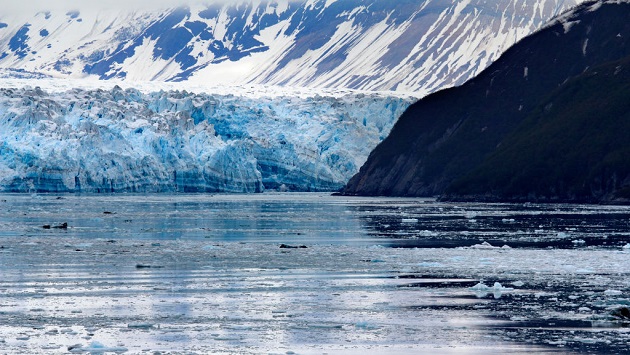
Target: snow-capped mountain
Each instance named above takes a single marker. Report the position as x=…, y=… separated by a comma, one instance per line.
x=240, y=140
x=404, y=45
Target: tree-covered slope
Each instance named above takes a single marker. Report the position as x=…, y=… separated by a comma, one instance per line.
x=575, y=146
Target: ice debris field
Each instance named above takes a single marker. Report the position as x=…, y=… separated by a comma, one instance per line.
x=310, y=274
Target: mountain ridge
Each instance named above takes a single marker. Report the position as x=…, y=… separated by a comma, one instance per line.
x=368, y=45
x=449, y=134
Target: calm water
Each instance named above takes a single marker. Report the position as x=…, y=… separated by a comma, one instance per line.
x=309, y=274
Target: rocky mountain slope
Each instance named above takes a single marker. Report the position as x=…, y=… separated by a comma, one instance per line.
x=547, y=122
x=401, y=45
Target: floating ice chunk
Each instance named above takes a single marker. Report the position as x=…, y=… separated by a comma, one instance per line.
x=140, y=325
x=497, y=290
x=482, y=287
x=559, y=343
x=409, y=220
x=431, y=264
x=471, y=215
x=51, y=347
x=588, y=340
x=366, y=326
x=578, y=241
x=613, y=293
x=518, y=283
x=484, y=245
x=97, y=345
x=96, y=348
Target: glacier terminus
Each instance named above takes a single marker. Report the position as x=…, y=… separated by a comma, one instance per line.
x=248, y=140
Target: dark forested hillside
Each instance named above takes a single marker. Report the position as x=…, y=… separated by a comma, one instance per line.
x=547, y=121
x=575, y=146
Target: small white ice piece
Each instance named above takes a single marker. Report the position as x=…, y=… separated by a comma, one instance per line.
x=484, y=245
x=612, y=293
x=497, y=290
x=98, y=348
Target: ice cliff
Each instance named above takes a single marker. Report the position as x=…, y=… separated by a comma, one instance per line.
x=114, y=140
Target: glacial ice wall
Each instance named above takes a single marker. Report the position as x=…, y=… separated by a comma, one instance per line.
x=95, y=140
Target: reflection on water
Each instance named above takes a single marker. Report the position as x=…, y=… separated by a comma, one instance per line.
x=206, y=274
x=252, y=218
x=315, y=218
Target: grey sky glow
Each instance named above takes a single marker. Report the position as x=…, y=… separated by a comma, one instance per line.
x=66, y=5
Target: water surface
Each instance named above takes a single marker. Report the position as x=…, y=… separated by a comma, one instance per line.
x=309, y=274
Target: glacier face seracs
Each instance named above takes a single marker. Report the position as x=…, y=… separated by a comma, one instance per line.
x=96, y=140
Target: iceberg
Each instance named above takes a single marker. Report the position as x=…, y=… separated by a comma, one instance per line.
x=96, y=348
x=127, y=140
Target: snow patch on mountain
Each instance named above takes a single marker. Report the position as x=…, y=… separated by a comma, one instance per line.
x=420, y=46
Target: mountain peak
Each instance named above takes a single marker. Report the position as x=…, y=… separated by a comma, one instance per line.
x=369, y=45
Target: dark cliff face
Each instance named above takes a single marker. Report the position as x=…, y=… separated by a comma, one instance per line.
x=452, y=141
x=575, y=146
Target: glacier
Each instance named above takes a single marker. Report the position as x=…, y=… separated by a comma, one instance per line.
x=252, y=139
x=251, y=132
